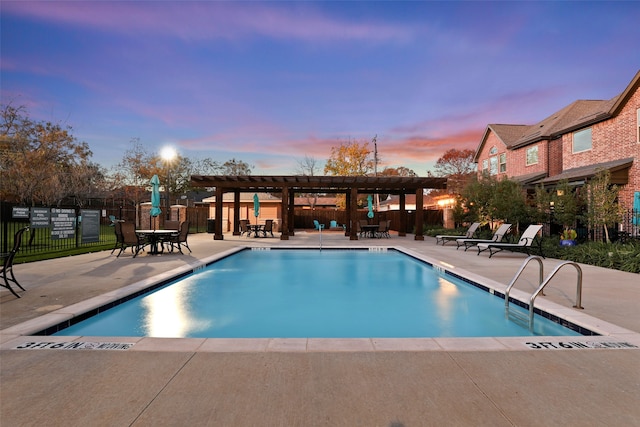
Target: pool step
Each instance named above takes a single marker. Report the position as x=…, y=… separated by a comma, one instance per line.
x=518, y=317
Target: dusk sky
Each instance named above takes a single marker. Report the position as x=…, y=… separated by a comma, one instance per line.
x=269, y=83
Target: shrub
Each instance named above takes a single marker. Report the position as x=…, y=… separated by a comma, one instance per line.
x=624, y=257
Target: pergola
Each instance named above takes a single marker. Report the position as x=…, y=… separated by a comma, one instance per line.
x=288, y=185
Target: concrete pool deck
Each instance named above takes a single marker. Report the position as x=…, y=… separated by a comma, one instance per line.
x=317, y=382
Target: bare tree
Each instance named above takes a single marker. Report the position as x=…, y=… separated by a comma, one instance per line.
x=236, y=167
x=133, y=172
x=307, y=166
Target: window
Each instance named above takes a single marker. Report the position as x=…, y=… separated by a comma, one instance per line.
x=582, y=140
x=503, y=162
x=493, y=150
x=485, y=165
x=532, y=155
x=493, y=161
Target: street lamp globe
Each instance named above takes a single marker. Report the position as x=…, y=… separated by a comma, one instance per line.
x=168, y=154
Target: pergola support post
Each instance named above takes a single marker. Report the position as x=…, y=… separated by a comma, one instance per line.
x=284, y=232
x=218, y=218
x=292, y=205
x=353, y=217
x=236, y=213
x=419, y=214
x=402, y=232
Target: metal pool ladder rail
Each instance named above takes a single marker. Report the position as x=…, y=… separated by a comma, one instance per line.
x=542, y=285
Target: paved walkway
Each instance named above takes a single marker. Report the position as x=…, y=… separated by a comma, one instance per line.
x=426, y=382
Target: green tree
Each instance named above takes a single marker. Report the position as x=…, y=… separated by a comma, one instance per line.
x=474, y=202
x=602, y=203
x=541, y=210
x=489, y=200
x=565, y=205
x=509, y=203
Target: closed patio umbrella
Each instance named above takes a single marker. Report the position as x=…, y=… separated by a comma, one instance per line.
x=256, y=207
x=370, y=206
x=155, y=196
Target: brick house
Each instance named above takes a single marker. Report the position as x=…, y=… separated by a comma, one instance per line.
x=573, y=143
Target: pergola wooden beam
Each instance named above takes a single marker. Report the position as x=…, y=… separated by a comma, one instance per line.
x=288, y=185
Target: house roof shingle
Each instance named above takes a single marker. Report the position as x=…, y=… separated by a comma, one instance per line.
x=574, y=116
x=584, y=172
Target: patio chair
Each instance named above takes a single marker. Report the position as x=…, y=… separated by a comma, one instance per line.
x=268, y=228
x=524, y=244
x=118, y=230
x=497, y=237
x=244, y=227
x=180, y=239
x=361, y=231
x=383, y=229
x=130, y=239
x=172, y=225
x=317, y=225
x=7, y=265
x=471, y=231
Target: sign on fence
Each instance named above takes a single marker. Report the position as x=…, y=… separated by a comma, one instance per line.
x=39, y=217
x=90, y=226
x=20, y=212
x=63, y=223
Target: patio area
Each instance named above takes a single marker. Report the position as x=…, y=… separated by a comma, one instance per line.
x=453, y=381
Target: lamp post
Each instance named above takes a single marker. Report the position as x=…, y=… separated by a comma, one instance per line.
x=168, y=154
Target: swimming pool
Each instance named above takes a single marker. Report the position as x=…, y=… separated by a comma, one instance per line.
x=313, y=294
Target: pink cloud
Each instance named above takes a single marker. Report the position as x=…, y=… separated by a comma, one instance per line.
x=208, y=20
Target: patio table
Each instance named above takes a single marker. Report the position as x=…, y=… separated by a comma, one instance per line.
x=154, y=237
x=255, y=229
x=370, y=230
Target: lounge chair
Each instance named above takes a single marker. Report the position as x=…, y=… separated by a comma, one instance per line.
x=317, y=225
x=180, y=239
x=524, y=244
x=7, y=265
x=497, y=237
x=471, y=231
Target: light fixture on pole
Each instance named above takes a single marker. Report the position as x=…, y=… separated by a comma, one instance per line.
x=168, y=154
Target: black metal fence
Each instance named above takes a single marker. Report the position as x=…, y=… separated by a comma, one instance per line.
x=60, y=228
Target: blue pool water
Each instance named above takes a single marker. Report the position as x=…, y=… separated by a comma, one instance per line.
x=311, y=293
